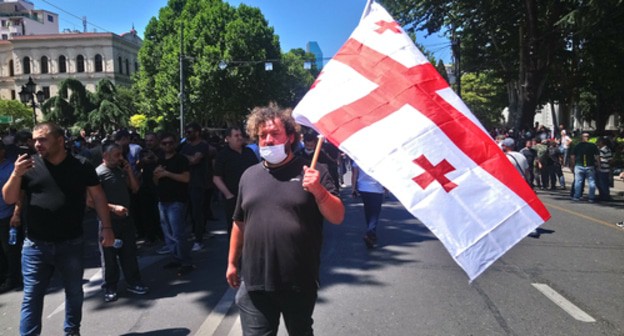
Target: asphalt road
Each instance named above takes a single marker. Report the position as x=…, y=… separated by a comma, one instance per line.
x=570, y=281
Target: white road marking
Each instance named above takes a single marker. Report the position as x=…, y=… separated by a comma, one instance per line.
x=217, y=315
x=236, y=330
x=563, y=303
x=97, y=277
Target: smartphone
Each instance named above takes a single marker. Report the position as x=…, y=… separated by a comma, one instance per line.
x=21, y=150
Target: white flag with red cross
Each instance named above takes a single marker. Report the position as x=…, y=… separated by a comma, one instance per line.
x=382, y=103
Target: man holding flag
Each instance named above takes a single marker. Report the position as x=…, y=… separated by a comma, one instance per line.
x=277, y=231
x=383, y=104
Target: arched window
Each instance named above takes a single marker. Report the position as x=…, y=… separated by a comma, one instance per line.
x=127, y=67
x=11, y=68
x=80, y=66
x=26, y=65
x=120, y=64
x=98, y=63
x=44, y=65
x=62, y=64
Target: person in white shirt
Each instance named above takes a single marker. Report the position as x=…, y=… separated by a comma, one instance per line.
x=372, y=193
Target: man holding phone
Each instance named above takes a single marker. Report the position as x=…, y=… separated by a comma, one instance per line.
x=55, y=185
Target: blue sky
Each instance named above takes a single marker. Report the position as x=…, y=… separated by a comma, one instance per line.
x=328, y=22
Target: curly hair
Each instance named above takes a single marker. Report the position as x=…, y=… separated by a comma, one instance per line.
x=261, y=114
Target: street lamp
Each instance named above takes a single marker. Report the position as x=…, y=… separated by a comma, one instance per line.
x=28, y=94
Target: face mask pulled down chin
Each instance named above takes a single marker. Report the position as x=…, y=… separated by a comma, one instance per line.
x=273, y=154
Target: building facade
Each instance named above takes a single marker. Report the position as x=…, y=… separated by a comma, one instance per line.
x=314, y=48
x=19, y=18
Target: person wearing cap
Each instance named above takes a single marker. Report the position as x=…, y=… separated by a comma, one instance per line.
x=521, y=164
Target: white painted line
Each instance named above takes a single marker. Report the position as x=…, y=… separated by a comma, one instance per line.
x=563, y=303
x=236, y=330
x=217, y=315
x=88, y=287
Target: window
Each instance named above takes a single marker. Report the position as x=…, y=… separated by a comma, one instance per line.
x=98, y=63
x=50, y=18
x=44, y=65
x=13, y=96
x=120, y=64
x=5, y=36
x=46, y=92
x=80, y=66
x=11, y=68
x=26, y=65
x=127, y=67
x=62, y=64
x=136, y=67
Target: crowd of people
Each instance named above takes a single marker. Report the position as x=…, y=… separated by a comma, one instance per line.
x=159, y=189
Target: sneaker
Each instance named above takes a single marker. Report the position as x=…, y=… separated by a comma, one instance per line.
x=574, y=199
x=534, y=234
x=172, y=264
x=197, y=246
x=620, y=224
x=185, y=269
x=163, y=250
x=73, y=333
x=138, y=289
x=7, y=285
x=110, y=295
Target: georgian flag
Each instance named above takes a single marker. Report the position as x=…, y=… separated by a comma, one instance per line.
x=382, y=103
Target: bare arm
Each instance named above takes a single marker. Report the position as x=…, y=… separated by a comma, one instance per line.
x=330, y=206
x=236, y=248
x=218, y=181
x=96, y=193
x=11, y=191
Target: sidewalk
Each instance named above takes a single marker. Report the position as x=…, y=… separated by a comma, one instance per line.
x=616, y=191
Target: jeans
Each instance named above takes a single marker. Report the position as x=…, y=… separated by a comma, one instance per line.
x=174, y=229
x=260, y=311
x=127, y=255
x=372, y=209
x=580, y=174
x=39, y=260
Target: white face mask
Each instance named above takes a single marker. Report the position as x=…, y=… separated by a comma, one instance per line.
x=273, y=154
x=308, y=151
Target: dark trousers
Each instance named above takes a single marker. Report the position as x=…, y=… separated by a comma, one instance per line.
x=260, y=311
x=10, y=255
x=197, y=200
x=372, y=209
x=230, y=206
x=549, y=177
x=124, y=257
x=148, y=205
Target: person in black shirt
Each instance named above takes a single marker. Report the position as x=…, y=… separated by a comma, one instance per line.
x=278, y=230
x=171, y=177
x=55, y=185
x=229, y=166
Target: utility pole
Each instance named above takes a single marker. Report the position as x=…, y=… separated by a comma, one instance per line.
x=455, y=47
x=181, y=80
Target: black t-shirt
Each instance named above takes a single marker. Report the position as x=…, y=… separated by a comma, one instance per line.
x=283, y=227
x=170, y=190
x=201, y=173
x=56, y=198
x=115, y=187
x=231, y=165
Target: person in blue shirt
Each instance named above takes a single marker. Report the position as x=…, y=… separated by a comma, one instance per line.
x=10, y=255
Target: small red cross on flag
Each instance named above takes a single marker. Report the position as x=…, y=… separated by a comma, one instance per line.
x=383, y=104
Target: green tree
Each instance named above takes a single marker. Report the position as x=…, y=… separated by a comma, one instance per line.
x=485, y=95
x=213, y=31
x=22, y=115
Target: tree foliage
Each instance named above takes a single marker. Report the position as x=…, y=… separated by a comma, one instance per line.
x=105, y=110
x=22, y=114
x=214, y=31
x=543, y=51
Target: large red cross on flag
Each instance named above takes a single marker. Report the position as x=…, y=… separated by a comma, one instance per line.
x=382, y=103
